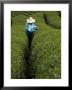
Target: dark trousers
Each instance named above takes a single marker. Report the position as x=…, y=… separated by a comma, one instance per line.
x=30, y=36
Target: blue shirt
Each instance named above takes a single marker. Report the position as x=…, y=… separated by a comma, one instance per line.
x=31, y=27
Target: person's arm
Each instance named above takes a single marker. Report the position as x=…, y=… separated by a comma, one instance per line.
x=36, y=28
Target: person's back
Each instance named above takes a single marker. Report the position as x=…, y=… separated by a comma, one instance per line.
x=31, y=27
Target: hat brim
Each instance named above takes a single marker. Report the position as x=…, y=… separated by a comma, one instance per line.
x=30, y=21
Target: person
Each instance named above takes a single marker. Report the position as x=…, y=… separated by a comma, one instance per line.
x=30, y=29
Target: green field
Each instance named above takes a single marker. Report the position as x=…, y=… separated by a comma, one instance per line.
x=44, y=57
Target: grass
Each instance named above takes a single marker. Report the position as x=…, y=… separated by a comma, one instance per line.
x=53, y=19
x=45, y=57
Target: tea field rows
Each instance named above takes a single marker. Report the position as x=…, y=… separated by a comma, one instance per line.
x=45, y=55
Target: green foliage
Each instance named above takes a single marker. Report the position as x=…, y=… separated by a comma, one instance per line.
x=45, y=58
x=18, y=43
x=46, y=54
x=53, y=19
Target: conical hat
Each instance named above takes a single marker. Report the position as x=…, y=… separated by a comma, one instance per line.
x=30, y=20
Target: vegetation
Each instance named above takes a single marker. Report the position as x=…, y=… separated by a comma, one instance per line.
x=44, y=57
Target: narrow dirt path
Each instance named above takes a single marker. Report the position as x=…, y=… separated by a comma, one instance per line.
x=27, y=53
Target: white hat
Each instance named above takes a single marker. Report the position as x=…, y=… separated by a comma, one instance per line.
x=30, y=20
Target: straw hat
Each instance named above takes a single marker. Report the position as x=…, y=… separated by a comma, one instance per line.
x=30, y=20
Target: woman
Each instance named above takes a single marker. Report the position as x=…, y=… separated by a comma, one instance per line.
x=30, y=29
